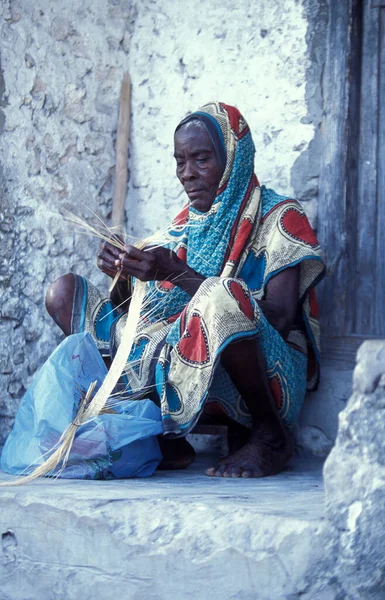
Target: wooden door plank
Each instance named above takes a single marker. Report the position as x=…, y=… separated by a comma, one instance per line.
x=341, y=351
x=352, y=166
x=332, y=197
x=380, y=250
x=367, y=204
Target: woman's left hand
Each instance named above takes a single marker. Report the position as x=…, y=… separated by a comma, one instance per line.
x=150, y=264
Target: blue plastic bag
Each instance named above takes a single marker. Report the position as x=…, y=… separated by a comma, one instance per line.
x=117, y=445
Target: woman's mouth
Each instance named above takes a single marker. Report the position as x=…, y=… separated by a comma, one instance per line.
x=194, y=194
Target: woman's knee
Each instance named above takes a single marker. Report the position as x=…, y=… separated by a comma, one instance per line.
x=59, y=300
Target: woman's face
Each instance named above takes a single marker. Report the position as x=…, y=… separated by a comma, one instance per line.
x=197, y=167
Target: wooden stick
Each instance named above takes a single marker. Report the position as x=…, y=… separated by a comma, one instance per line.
x=122, y=138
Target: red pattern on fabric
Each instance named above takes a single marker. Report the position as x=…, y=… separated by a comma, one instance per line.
x=288, y=201
x=173, y=318
x=296, y=224
x=166, y=285
x=234, y=116
x=193, y=345
x=276, y=391
x=234, y=229
x=314, y=309
x=242, y=299
x=222, y=189
x=243, y=132
x=240, y=241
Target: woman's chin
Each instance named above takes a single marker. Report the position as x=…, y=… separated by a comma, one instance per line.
x=201, y=204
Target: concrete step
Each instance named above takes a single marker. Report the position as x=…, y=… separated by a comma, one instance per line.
x=177, y=535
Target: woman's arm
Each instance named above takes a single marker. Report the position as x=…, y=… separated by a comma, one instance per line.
x=108, y=261
x=280, y=304
x=159, y=264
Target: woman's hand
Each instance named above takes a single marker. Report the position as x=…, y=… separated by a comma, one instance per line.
x=108, y=259
x=150, y=264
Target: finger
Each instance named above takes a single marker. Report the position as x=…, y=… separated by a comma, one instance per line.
x=108, y=272
x=107, y=249
x=105, y=262
x=133, y=252
x=133, y=268
x=107, y=267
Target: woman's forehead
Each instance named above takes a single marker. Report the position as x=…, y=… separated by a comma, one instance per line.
x=192, y=134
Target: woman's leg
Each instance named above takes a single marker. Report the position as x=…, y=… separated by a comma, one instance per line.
x=269, y=446
x=59, y=301
x=177, y=454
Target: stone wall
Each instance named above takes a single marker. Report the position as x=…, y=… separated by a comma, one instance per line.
x=355, y=482
x=62, y=66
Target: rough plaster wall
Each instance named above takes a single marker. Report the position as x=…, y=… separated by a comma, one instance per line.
x=251, y=54
x=62, y=65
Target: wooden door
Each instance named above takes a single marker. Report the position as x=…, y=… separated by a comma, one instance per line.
x=369, y=313
x=352, y=196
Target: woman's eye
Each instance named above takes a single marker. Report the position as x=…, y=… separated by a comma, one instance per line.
x=179, y=164
x=202, y=160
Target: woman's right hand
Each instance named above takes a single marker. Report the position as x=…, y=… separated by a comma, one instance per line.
x=108, y=259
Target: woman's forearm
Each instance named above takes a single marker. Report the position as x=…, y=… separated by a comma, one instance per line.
x=187, y=279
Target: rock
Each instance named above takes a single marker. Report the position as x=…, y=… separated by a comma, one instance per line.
x=59, y=185
x=33, y=323
x=35, y=163
x=312, y=439
x=61, y=28
x=73, y=103
x=29, y=61
x=38, y=86
x=126, y=42
x=355, y=481
x=5, y=357
x=33, y=289
x=94, y=144
x=12, y=308
x=16, y=388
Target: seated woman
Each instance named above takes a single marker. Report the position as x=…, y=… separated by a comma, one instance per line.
x=230, y=323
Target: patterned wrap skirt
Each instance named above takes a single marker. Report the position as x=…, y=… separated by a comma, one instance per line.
x=178, y=365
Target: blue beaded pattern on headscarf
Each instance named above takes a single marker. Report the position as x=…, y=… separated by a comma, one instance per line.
x=207, y=235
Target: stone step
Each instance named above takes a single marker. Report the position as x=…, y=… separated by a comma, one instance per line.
x=177, y=535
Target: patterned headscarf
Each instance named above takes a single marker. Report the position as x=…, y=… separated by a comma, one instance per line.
x=212, y=243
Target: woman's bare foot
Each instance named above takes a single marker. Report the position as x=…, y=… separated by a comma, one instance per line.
x=177, y=454
x=265, y=453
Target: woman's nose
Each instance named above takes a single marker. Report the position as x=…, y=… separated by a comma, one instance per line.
x=189, y=171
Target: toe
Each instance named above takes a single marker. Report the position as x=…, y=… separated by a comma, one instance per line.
x=211, y=471
x=220, y=470
x=232, y=472
x=217, y=471
x=236, y=472
x=247, y=473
